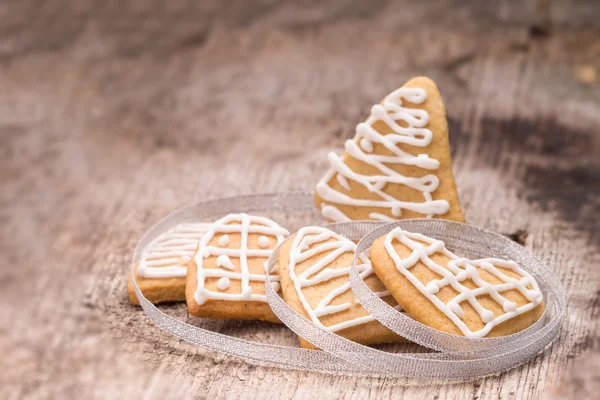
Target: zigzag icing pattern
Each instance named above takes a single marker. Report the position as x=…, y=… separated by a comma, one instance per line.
x=458, y=270
x=164, y=256
x=319, y=272
x=242, y=224
x=361, y=147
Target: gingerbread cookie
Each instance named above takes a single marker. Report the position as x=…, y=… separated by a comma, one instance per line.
x=226, y=277
x=314, y=266
x=161, y=270
x=474, y=298
x=398, y=165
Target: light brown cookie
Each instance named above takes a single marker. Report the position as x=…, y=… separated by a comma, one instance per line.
x=314, y=265
x=473, y=298
x=398, y=165
x=161, y=270
x=226, y=276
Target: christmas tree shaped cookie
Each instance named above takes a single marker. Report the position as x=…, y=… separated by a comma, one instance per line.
x=474, y=298
x=398, y=165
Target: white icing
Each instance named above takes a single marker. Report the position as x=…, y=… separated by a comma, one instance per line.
x=380, y=217
x=458, y=270
x=366, y=145
x=163, y=257
x=310, y=242
x=242, y=224
x=225, y=262
x=276, y=286
x=343, y=182
x=224, y=240
x=414, y=134
x=263, y=242
x=223, y=283
x=333, y=213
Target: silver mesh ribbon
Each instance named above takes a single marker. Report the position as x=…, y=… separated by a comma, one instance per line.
x=457, y=358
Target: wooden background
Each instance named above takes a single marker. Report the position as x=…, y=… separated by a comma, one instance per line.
x=113, y=113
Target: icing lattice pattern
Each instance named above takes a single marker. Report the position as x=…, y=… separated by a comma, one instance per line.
x=271, y=235
x=167, y=255
x=311, y=242
x=361, y=148
x=457, y=271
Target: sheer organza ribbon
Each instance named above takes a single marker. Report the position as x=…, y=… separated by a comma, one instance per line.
x=457, y=357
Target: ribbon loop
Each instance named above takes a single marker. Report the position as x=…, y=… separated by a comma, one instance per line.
x=458, y=358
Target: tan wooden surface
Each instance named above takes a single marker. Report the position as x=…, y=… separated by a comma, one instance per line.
x=113, y=114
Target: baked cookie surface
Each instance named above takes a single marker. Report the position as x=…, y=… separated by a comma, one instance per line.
x=314, y=266
x=226, y=276
x=162, y=268
x=474, y=298
x=398, y=164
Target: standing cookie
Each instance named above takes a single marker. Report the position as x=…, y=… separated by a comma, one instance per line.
x=314, y=265
x=475, y=298
x=398, y=165
x=226, y=277
x=161, y=270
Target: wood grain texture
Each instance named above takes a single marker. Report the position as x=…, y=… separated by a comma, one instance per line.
x=113, y=114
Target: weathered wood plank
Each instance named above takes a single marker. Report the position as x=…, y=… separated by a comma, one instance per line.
x=111, y=116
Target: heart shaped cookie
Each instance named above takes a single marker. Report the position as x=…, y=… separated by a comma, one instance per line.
x=398, y=165
x=474, y=298
x=314, y=267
